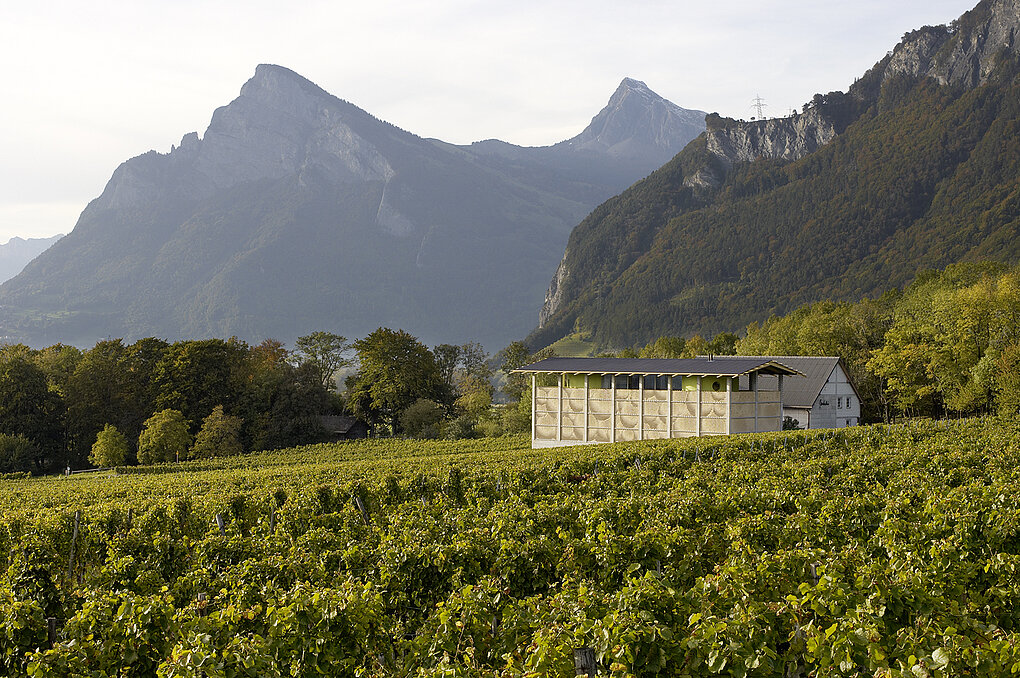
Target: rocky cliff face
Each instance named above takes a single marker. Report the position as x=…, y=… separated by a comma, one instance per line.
x=964, y=53
x=555, y=294
x=280, y=125
x=777, y=139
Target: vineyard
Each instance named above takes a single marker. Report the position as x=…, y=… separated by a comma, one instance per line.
x=878, y=551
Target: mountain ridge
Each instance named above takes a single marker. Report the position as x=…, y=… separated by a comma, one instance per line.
x=633, y=255
x=297, y=211
x=17, y=252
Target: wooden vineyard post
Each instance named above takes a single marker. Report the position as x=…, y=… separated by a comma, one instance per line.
x=219, y=524
x=74, y=542
x=360, y=505
x=51, y=631
x=584, y=662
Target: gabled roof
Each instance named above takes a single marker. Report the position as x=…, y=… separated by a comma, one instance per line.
x=337, y=424
x=731, y=367
x=801, y=392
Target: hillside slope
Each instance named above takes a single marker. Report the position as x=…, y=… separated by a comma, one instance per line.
x=917, y=165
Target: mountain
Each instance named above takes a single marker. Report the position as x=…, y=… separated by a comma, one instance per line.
x=916, y=166
x=17, y=252
x=297, y=211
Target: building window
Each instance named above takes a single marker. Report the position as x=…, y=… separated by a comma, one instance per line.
x=839, y=403
x=678, y=383
x=607, y=381
x=656, y=382
x=628, y=381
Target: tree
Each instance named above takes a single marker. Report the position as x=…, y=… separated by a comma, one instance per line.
x=475, y=397
x=280, y=405
x=517, y=354
x=110, y=448
x=17, y=453
x=165, y=437
x=196, y=376
x=99, y=392
x=1007, y=382
x=220, y=436
x=29, y=408
x=395, y=369
x=326, y=352
x=422, y=418
x=447, y=357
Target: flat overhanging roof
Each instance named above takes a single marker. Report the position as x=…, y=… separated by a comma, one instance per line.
x=693, y=367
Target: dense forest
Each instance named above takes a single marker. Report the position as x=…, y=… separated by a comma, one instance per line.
x=949, y=344
x=921, y=175
x=153, y=401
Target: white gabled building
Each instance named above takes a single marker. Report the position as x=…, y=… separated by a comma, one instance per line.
x=824, y=397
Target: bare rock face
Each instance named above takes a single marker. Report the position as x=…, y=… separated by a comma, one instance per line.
x=554, y=295
x=282, y=124
x=964, y=53
x=636, y=121
x=777, y=139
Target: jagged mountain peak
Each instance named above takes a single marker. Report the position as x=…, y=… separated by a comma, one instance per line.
x=635, y=120
x=632, y=85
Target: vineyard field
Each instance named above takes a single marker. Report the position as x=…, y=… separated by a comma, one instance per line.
x=871, y=551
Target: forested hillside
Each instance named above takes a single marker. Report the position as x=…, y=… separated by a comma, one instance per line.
x=916, y=166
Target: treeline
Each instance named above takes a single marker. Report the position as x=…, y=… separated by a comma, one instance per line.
x=947, y=345
x=154, y=401
x=54, y=402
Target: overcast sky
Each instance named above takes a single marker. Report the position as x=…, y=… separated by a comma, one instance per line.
x=89, y=85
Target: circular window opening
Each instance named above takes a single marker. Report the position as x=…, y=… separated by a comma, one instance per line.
x=716, y=385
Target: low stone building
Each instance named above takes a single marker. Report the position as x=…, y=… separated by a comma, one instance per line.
x=577, y=401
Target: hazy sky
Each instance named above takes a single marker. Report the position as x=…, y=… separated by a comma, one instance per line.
x=89, y=85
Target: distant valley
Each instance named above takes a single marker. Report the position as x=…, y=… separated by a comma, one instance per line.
x=17, y=252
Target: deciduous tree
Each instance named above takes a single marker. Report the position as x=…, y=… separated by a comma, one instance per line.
x=220, y=436
x=326, y=353
x=110, y=448
x=395, y=369
x=165, y=437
